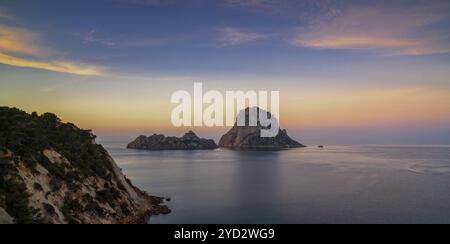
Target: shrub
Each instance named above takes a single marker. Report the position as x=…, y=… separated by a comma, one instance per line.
x=49, y=209
x=93, y=207
x=109, y=196
x=121, y=186
x=104, y=196
x=125, y=209
x=70, y=209
x=55, y=184
x=17, y=205
x=28, y=135
x=37, y=187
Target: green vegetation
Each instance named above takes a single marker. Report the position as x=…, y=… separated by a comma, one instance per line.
x=37, y=187
x=15, y=202
x=70, y=208
x=92, y=206
x=14, y=197
x=28, y=135
x=109, y=195
x=49, y=209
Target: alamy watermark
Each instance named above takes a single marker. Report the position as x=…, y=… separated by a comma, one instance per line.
x=191, y=112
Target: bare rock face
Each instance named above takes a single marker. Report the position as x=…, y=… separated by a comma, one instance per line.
x=248, y=138
x=190, y=141
x=5, y=219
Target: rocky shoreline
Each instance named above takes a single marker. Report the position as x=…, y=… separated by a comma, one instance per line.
x=152, y=206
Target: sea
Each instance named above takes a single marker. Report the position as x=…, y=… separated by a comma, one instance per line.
x=364, y=184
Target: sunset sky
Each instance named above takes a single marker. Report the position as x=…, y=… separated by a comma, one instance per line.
x=347, y=71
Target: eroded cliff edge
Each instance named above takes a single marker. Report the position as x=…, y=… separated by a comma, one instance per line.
x=54, y=172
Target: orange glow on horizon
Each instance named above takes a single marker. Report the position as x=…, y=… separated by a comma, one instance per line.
x=367, y=108
x=299, y=110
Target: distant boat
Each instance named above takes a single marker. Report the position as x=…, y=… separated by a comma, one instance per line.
x=321, y=146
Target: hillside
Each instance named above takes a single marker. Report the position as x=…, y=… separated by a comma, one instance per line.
x=54, y=172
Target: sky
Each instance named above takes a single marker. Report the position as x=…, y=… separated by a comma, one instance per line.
x=370, y=72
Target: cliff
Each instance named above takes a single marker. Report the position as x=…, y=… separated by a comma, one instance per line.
x=190, y=141
x=248, y=138
x=54, y=172
x=5, y=218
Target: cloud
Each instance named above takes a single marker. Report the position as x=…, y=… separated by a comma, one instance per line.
x=20, y=48
x=57, y=66
x=355, y=42
x=229, y=36
x=396, y=31
x=21, y=41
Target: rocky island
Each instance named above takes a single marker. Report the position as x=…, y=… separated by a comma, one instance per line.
x=53, y=172
x=248, y=138
x=190, y=141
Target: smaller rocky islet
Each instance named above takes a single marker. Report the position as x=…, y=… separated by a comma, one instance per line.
x=190, y=141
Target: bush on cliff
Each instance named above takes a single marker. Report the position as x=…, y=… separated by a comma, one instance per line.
x=28, y=135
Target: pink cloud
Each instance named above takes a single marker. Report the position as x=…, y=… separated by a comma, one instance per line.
x=21, y=48
x=395, y=31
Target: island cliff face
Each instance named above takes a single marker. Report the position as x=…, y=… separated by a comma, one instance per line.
x=53, y=172
x=190, y=141
x=248, y=138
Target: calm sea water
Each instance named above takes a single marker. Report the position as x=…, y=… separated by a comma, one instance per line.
x=338, y=184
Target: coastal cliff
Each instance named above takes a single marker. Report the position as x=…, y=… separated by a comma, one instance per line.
x=190, y=141
x=54, y=172
x=5, y=218
x=248, y=138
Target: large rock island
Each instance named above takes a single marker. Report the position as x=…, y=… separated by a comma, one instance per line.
x=190, y=141
x=53, y=172
x=248, y=138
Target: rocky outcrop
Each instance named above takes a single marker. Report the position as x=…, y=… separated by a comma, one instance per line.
x=190, y=141
x=249, y=138
x=5, y=219
x=51, y=172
